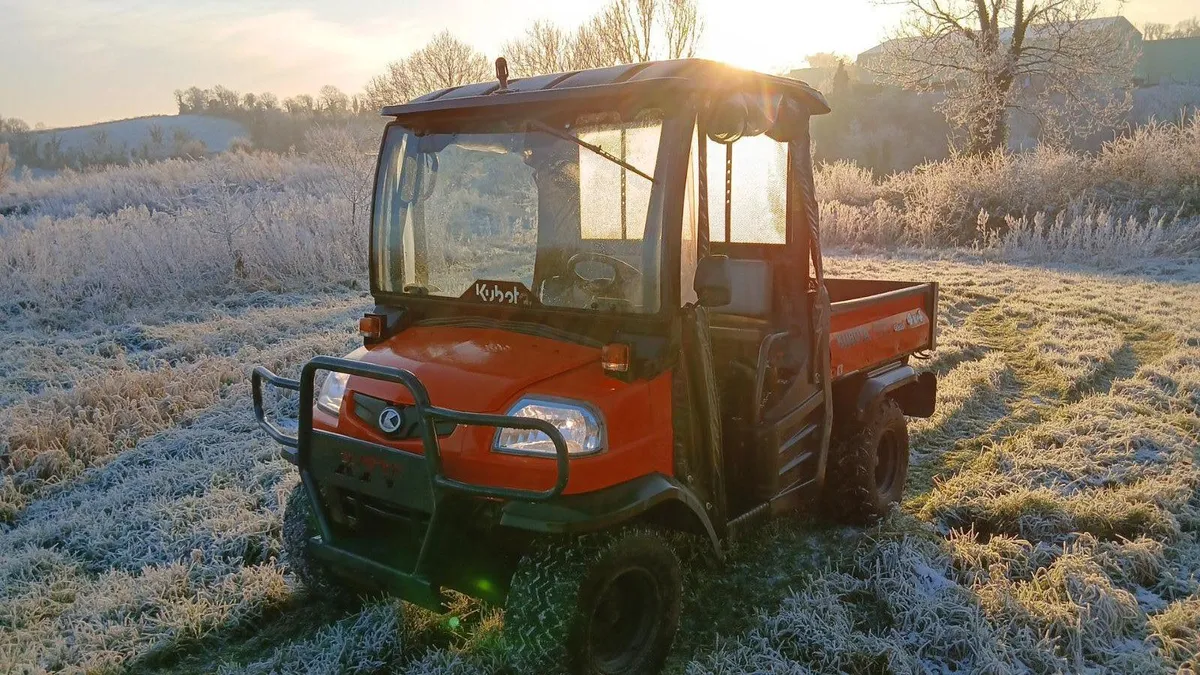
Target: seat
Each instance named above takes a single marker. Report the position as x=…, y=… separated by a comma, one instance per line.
x=750, y=289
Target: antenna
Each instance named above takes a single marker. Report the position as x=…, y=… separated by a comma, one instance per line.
x=502, y=72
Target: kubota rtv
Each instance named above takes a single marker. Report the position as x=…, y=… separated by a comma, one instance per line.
x=600, y=314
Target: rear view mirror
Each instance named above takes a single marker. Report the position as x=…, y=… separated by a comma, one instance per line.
x=712, y=285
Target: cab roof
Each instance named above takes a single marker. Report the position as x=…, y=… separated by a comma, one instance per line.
x=694, y=74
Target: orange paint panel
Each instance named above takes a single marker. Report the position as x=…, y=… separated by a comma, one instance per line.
x=471, y=369
x=489, y=370
x=877, y=334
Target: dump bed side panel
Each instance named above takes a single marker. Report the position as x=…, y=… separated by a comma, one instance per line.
x=870, y=331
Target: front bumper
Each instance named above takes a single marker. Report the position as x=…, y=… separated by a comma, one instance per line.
x=413, y=483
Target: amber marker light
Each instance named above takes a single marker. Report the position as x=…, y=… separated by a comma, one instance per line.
x=615, y=357
x=371, y=326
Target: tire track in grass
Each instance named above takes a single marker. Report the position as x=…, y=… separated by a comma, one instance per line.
x=1102, y=414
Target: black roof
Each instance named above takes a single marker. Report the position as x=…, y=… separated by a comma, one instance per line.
x=696, y=74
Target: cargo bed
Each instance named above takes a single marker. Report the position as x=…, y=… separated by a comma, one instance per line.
x=876, y=322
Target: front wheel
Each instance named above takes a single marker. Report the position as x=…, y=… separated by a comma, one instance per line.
x=868, y=468
x=599, y=605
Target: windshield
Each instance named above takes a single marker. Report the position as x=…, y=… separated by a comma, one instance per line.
x=522, y=212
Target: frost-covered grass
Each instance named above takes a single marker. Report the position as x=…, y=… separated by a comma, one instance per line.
x=1138, y=197
x=1052, y=524
x=186, y=230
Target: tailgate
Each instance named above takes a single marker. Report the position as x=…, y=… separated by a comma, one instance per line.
x=870, y=331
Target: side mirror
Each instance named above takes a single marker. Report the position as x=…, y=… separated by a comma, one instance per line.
x=712, y=285
x=727, y=120
x=739, y=115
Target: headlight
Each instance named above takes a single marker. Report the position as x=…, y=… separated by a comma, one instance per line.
x=332, y=391
x=579, y=424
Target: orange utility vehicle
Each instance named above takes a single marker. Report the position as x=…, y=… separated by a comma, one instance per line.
x=600, y=314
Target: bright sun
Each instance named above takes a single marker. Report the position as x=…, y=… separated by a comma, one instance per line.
x=775, y=35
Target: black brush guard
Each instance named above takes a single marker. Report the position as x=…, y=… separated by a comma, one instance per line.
x=415, y=482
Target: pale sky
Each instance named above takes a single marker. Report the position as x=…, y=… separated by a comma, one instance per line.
x=69, y=62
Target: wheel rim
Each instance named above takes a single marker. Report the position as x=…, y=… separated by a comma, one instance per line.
x=624, y=620
x=887, y=463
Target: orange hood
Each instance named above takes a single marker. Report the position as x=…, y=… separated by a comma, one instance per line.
x=470, y=368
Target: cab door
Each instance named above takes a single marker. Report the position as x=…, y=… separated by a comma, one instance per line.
x=767, y=368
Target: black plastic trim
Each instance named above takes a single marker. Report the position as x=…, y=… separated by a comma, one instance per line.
x=607, y=507
x=882, y=382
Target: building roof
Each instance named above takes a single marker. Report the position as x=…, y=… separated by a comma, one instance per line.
x=1006, y=33
x=695, y=74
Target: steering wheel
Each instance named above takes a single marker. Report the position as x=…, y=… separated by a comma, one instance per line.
x=624, y=275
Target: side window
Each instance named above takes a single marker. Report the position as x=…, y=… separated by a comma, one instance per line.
x=759, y=195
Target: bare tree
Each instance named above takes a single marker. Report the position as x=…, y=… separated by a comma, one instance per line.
x=301, y=103
x=623, y=31
x=6, y=166
x=444, y=62
x=1187, y=28
x=333, y=101
x=1161, y=31
x=682, y=27
x=545, y=48
x=1049, y=58
x=589, y=49
x=1156, y=31
x=825, y=60
x=642, y=30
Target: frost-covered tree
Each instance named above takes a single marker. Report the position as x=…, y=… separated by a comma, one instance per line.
x=333, y=101
x=349, y=150
x=1049, y=58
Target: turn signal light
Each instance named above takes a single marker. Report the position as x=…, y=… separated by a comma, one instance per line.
x=615, y=357
x=371, y=326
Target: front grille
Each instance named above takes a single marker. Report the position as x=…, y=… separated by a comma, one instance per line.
x=368, y=409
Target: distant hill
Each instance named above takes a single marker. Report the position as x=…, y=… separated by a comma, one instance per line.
x=153, y=137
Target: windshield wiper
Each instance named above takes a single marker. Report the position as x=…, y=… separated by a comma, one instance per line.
x=594, y=148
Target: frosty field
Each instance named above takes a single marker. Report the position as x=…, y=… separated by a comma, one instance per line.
x=1052, y=520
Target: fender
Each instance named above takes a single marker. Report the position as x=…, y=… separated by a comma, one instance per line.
x=603, y=508
x=916, y=393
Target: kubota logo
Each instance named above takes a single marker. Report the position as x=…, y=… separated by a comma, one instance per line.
x=389, y=420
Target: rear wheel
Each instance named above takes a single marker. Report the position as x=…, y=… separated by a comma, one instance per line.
x=598, y=605
x=868, y=469
x=299, y=526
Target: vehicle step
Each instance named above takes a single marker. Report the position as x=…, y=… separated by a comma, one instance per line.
x=803, y=457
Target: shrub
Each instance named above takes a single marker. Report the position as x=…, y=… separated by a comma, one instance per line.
x=178, y=230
